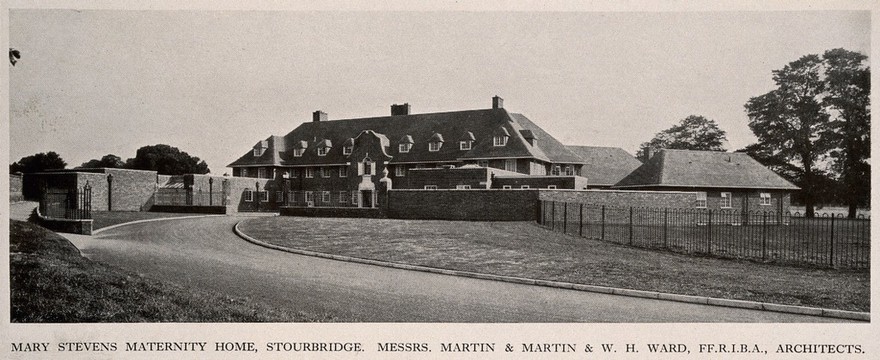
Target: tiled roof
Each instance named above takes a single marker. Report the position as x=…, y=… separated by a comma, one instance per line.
x=605, y=165
x=482, y=125
x=704, y=169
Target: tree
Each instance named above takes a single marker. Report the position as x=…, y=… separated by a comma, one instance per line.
x=108, y=161
x=694, y=132
x=37, y=163
x=166, y=160
x=848, y=86
x=790, y=121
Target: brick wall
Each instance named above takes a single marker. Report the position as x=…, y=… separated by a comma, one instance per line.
x=623, y=198
x=417, y=179
x=476, y=205
x=540, y=182
x=132, y=189
x=15, y=188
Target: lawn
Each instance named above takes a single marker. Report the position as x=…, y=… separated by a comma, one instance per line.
x=524, y=249
x=51, y=283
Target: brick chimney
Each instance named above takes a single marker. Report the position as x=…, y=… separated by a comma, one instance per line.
x=319, y=116
x=400, y=109
x=497, y=102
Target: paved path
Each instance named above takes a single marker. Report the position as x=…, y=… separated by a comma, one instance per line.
x=204, y=253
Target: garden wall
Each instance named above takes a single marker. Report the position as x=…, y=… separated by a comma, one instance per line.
x=622, y=198
x=476, y=205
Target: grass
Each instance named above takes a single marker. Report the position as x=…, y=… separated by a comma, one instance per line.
x=52, y=283
x=526, y=250
x=108, y=218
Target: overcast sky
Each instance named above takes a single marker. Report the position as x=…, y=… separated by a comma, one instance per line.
x=91, y=83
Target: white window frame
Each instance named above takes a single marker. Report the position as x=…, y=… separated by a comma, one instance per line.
x=434, y=146
x=264, y=196
x=464, y=145
x=462, y=187
x=430, y=187
x=507, y=165
x=506, y=187
x=728, y=199
x=766, y=199
x=499, y=140
x=404, y=148
x=525, y=187
x=555, y=170
x=323, y=150
x=248, y=195
x=325, y=197
x=400, y=170
x=291, y=196
x=701, y=200
x=310, y=173
x=354, y=198
x=298, y=152
x=343, y=196
x=569, y=170
x=346, y=150
x=325, y=172
x=343, y=171
x=309, y=197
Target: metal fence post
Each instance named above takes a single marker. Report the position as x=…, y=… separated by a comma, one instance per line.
x=581, y=221
x=709, y=237
x=831, y=252
x=553, y=217
x=603, y=222
x=565, y=218
x=764, y=238
x=630, y=225
x=665, y=226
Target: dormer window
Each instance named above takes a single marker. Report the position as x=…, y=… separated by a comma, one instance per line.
x=346, y=150
x=259, y=151
x=464, y=145
x=404, y=148
x=324, y=147
x=322, y=151
x=499, y=140
x=406, y=144
x=300, y=148
x=298, y=152
x=434, y=146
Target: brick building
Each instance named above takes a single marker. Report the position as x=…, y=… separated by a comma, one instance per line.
x=342, y=163
x=719, y=180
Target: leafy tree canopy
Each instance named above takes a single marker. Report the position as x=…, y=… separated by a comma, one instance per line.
x=166, y=160
x=108, y=161
x=694, y=132
x=37, y=163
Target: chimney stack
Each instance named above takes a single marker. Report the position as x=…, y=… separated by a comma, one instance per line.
x=400, y=109
x=319, y=116
x=648, y=154
x=497, y=102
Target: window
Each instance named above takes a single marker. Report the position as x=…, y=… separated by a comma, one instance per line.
x=244, y=172
x=294, y=173
x=322, y=151
x=279, y=196
x=725, y=200
x=551, y=187
x=248, y=195
x=399, y=170
x=499, y=140
x=368, y=167
x=506, y=187
x=354, y=197
x=298, y=152
x=310, y=197
x=325, y=197
x=259, y=151
x=434, y=146
x=524, y=187
x=291, y=196
x=569, y=170
x=555, y=170
x=464, y=145
x=325, y=172
x=510, y=165
x=310, y=172
x=765, y=198
x=430, y=187
x=343, y=196
x=261, y=173
x=701, y=200
x=404, y=148
x=484, y=163
x=462, y=187
x=343, y=171
x=264, y=196
x=346, y=150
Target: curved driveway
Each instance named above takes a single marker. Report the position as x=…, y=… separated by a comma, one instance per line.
x=205, y=253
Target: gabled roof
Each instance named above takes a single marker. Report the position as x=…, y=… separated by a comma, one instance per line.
x=605, y=166
x=272, y=155
x=420, y=129
x=704, y=169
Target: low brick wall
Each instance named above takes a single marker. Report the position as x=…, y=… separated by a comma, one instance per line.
x=344, y=212
x=190, y=209
x=476, y=205
x=623, y=198
x=83, y=227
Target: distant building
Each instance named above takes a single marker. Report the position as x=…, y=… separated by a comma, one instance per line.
x=721, y=180
x=605, y=165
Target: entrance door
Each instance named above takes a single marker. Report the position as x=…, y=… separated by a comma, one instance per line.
x=366, y=199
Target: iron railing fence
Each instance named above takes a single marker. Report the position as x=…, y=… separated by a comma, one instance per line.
x=75, y=204
x=825, y=241
x=183, y=197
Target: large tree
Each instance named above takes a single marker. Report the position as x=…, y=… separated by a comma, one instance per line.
x=37, y=163
x=166, y=160
x=107, y=161
x=694, y=132
x=848, y=87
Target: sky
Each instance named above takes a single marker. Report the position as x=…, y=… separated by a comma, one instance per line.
x=213, y=83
